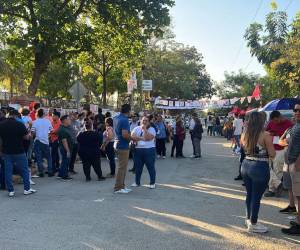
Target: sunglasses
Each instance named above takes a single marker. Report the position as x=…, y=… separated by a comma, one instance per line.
x=296, y=110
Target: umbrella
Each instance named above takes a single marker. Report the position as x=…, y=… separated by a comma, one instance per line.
x=281, y=104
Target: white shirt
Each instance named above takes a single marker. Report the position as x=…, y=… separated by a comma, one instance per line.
x=238, y=126
x=137, y=131
x=192, y=124
x=41, y=127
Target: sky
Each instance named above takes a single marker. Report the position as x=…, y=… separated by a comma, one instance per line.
x=216, y=28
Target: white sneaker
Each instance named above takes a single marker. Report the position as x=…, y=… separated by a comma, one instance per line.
x=164, y=157
x=192, y=156
x=127, y=189
x=11, y=194
x=257, y=228
x=35, y=176
x=134, y=185
x=31, y=182
x=247, y=222
x=30, y=191
x=121, y=191
x=152, y=186
x=158, y=156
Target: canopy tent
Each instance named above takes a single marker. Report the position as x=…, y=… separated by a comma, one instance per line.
x=281, y=104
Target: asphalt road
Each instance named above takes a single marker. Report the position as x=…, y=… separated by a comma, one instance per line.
x=196, y=205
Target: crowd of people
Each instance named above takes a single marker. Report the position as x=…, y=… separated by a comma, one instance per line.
x=269, y=150
x=29, y=137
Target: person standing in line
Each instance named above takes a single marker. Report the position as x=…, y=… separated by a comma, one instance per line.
x=161, y=137
x=34, y=110
x=293, y=158
x=41, y=128
x=12, y=134
x=122, y=144
x=174, y=137
x=276, y=127
x=66, y=143
x=54, y=143
x=191, y=128
x=144, y=136
x=134, y=123
x=180, y=132
x=108, y=146
x=197, y=137
x=209, y=125
x=258, y=147
x=75, y=128
x=237, y=131
x=89, y=151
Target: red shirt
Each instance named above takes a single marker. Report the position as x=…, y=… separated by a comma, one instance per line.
x=33, y=115
x=278, y=129
x=53, y=134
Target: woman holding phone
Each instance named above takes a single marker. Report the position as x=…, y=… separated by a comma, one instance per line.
x=144, y=137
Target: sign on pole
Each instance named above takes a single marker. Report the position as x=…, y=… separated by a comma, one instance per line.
x=147, y=85
x=77, y=91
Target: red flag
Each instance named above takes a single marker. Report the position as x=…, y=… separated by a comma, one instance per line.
x=256, y=91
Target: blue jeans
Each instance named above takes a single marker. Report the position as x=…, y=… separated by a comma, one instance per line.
x=2, y=174
x=64, y=165
x=41, y=151
x=237, y=140
x=144, y=156
x=256, y=175
x=110, y=153
x=21, y=163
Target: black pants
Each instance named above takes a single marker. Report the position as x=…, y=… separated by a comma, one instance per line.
x=175, y=139
x=179, y=148
x=55, y=155
x=92, y=161
x=110, y=153
x=210, y=130
x=73, y=157
x=161, y=147
x=242, y=158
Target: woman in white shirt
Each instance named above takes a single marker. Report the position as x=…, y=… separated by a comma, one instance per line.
x=144, y=138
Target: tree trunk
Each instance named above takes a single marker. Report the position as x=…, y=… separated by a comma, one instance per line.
x=104, y=92
x=41, y=62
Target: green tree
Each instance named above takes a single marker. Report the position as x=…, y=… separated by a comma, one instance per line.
x=239, y=84
x=53, y=29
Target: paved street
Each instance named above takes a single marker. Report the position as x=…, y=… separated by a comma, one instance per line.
x=196, y=205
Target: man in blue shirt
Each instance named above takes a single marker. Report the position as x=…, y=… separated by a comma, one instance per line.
x=122, y=130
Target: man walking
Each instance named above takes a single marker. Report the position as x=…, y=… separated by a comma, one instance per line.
x=237, y=131
x=122, y=130
x=293, y=155
x=12, y=134
x=41, y=128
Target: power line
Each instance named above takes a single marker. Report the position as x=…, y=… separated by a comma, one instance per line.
x=253, y=19
x=288, y=5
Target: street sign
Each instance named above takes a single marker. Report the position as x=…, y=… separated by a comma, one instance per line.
x=77, y=91
x=147, y=85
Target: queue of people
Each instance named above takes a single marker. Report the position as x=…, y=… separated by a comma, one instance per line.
x=270, y=162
